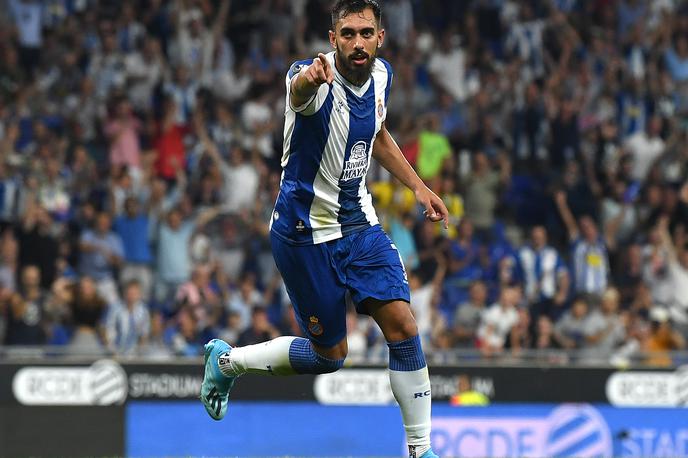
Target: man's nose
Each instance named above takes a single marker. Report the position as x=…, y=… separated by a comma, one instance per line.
x=358, y=44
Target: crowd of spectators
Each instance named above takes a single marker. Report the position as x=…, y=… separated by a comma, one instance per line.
x=140, y=146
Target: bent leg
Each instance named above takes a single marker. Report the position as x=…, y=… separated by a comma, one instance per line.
x=286, y=355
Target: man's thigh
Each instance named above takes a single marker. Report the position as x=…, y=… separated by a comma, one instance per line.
x=316, y=289
x=374, y=270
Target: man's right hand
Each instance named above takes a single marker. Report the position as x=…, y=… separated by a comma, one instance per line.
x=310, y=79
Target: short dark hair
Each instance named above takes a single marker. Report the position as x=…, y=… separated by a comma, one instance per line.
x=345, y=7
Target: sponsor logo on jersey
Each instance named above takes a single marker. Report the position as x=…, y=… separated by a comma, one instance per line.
x=357, y=164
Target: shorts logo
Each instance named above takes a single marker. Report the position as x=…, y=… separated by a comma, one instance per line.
x=300, y=226
x=357, y=164
x=314, y=327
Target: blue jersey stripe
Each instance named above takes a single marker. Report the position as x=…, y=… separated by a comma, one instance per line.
x=390, y=73
x=306, y=150
x=361, y=131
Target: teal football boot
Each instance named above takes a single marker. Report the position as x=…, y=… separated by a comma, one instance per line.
x=216, y=385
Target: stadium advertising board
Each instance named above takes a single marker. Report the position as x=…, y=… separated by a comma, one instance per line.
x=110, y=382
x=311, y=429
x=648, y=388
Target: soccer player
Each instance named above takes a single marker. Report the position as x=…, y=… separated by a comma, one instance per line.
x=326, y=239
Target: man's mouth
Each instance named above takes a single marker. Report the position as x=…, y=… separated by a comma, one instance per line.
x=359, y=59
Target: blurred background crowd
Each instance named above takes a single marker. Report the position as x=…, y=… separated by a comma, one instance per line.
x=139, y=161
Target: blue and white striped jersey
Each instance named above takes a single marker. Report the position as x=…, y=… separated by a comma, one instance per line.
x=327, y=152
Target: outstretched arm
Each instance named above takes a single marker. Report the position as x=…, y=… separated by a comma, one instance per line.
x=388, y=154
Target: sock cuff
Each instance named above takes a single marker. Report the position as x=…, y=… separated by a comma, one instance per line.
x=406, y=355
x=305, y=360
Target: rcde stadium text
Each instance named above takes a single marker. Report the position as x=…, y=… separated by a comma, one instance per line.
x=163, y=385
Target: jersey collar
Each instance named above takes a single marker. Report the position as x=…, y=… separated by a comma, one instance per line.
x=359, y=91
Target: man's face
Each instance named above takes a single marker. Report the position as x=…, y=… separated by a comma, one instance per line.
x=588, y=228
x=539, y=237
x=356, y=38
x=133, y=294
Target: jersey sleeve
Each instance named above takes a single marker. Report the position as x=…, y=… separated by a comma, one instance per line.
x=312, y=105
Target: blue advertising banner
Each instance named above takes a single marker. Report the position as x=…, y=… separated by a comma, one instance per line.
x=307, y=429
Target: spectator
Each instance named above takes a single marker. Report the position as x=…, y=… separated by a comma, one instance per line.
x=677, y=272
x=497, y=322
x=468, y=315
x=87, y=310
x=133, y=228
x=573, y=327
x=644, y=148
x=37, y=245
x=28, y=324
x=128, y=323
x=173, y=261
x=185, y=337
x=155, y=347
x=102, y=254
x=424, y=298
x=145, y=69
x=122, y=131
x=106, y=67
x=481, y=196
x=605, y=328
x=588, y=251
x=169, y=142
x=28, y=17
x=546, y=276
x=198, y=295
x=260, y=329
x=245, y=299
x=662, y=339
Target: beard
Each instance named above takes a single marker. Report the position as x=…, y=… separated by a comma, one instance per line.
x=356, y=74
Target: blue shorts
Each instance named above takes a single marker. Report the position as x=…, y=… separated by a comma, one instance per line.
x=317, y=277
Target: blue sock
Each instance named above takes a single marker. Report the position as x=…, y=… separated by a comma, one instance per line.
x=406, y=355
x=304, y=360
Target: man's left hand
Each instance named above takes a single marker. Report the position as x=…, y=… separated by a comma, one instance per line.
x=435, y=210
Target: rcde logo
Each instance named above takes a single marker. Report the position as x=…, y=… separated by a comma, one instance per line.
x=102, y=383
x=108, y=383
x=578, y=430
x=568, y=430
x=648, y=388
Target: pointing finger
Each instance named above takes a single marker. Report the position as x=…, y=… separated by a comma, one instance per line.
x=323, y=59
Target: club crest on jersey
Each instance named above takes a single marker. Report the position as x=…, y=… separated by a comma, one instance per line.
x=380, y=109
x=357, y=164
x=314, y=326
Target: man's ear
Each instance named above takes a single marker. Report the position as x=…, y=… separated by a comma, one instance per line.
x=333, y=40
x=380, y=37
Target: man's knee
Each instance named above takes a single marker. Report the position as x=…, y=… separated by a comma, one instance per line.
x=326, y=365
x=401, y=329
